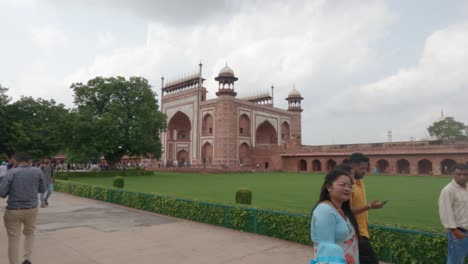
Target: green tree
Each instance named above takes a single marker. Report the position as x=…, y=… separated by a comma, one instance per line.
x=4, y=100
x=448, y=129
x=36, y=126
x=116, y=117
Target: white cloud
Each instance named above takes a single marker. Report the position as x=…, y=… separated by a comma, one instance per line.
x=18, y=3
x=264, y=44
x=411, y=99
x=105, y=39
x=42, y=83
x=333, y=51
x=49, y=36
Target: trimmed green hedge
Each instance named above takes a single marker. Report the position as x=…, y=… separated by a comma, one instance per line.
x=394, y=245
x=73, y=174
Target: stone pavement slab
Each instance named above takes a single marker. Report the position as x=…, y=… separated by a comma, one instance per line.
x=75, y=230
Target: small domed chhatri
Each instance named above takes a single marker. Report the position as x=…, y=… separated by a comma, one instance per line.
x=294, y=100
x=226, y=71
x=226, y=79
x=294, y=93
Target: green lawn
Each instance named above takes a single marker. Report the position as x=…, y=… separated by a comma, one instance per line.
x=413, y=200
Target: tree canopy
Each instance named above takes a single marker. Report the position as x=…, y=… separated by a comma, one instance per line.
x=115, y=117
x=4, y=99
x=36, y=126
x=448, y=129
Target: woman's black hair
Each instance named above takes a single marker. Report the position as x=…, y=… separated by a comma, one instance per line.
x=330, y=178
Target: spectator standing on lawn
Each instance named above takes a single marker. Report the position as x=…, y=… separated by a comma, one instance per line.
x=453, y=211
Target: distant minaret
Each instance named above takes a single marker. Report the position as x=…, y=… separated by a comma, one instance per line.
x=200, y=74
x=162, y=86
x=272, y=97
x=389, y=136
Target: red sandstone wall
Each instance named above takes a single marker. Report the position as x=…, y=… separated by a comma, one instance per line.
x=225, y=131
x=270, y=154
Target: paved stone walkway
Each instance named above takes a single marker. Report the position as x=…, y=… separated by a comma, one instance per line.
x=75, y=230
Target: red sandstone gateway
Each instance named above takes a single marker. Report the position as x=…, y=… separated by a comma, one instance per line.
x=238, y=133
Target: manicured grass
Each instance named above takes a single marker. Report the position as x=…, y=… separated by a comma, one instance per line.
x=413, y=199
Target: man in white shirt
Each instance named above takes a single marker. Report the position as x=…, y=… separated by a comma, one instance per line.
x=453, y=211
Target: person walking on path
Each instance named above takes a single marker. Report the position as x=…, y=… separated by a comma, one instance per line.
x=333, y=227
x=3, y=170
x=360, y=207
x=453, y=211
x=21, y=185
x=49, y=177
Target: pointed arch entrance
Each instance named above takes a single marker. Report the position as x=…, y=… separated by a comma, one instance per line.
x=382, y=166
x=207, y=153
x=316, y=165
x=403, y=166
x=266, y=134
x=331, y=164
x=182, y=157
x=244, y=154
x=446, y=166
x=425, y=166
x=179, y=127
x=207, y=125
x=178, y=133
x=285, y=131
x=302, y=165
x=244, y=126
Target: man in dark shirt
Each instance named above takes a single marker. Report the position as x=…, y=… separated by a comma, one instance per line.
x=22, y=185
x=11, y=163
x=49, y=176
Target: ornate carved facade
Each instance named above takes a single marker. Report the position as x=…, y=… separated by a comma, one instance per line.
x=242, y=132
x=226, y=130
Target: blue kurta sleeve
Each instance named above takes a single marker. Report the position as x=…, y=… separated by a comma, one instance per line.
x=323, y=233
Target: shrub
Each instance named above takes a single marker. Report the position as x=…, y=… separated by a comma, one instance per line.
x=244, y=196
x=118, y=181
x=61, y=176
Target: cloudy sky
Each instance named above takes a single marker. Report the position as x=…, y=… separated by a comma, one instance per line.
x=363, y=67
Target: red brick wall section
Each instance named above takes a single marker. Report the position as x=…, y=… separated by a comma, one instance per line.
x=226, y=131
x=270, y=155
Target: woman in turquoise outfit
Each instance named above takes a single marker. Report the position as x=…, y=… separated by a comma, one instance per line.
x=333, y=228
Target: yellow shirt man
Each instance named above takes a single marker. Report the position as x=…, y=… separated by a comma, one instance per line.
x=359, y=200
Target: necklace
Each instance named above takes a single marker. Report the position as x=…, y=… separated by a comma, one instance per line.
x=340, y=211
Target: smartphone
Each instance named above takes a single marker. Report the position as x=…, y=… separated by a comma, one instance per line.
x=386, y=201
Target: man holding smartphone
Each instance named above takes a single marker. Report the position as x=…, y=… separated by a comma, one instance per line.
x=360, y=207
x=453, y=211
